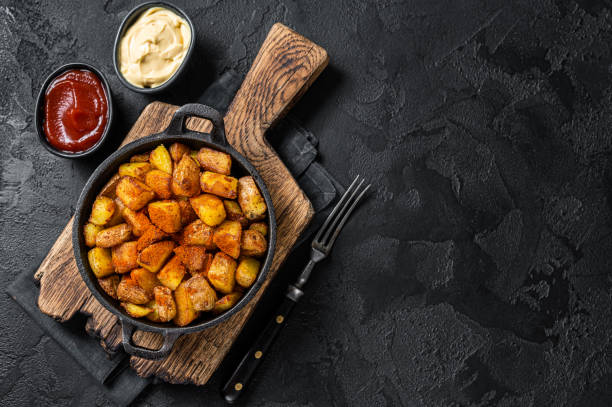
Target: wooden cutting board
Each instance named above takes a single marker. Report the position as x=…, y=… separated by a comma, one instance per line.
x=284, y=68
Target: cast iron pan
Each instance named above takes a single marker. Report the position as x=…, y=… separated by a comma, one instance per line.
x=176, y=132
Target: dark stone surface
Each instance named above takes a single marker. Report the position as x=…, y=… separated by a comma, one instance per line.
x=479, y=272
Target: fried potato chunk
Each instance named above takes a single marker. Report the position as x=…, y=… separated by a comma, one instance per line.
x=100, y=261
x=166, y=215
x=114, y=235
x=226, y=302
x=193, y=257
x=140, y=158
x=227, y=237
x=172, y=273
x=159, y=181
x=177, y=151
x=186, y=177
x=216, y=161
x=110, y=284
x=145, y=279
x=188, y=215
x=219, y=184
x=151, y=235
x=250, y=199
x=185, y=312
x=137, y=220
x=222, y=273
x=202, y=295
x=165, y=306
x=128, y=290
x=154, y=256
x=233, y=212
x=102, y=210
x=198, y=233
x=160, y=159
x=135, y=194
x=253, y=243
x=209, y=208
x=136, y=311
x=90, y=231
x=136, y=170
x=125, y=257
x=261, y=227
x=247, y=271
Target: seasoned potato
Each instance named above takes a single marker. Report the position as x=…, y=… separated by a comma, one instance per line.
x=253, y=243
x=166, y=215
x=125, y=257
x=154, y=256
x=202, y=295
x=151, y=235
x=164, y=304
x=250, y=199
x=172, y=273
x=114, y=235
x=193, y=257
x=117, y=217
x=198, y=233
x=226, y=302
x=186, y=178
x=140, y=158
x=187, y=213
x=138, y=221
x=209, y=208
x=233, y=212
x=128, y=290
x=247, y=271
x=216, y=161
x=134, y=193
x=153, y=315
x=100, y=261
x=222, y=273
x=185, y=312
x=177, y=151
x=136, y=170
x=219, y=184
x=261, y=227
x=102, y=210
x=109, y=188
x=90, y=231
x=160, y=159
x=159, y=181
x=136, y=311
x=110, y=284
x=227, y=237
x=145, y=279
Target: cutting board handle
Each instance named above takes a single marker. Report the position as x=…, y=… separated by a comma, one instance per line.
x=286, y=65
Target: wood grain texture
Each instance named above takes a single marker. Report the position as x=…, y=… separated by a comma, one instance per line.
x=284, y=68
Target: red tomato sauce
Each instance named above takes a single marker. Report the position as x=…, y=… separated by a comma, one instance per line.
x=76, y=111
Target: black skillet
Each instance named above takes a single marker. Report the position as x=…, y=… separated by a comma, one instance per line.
x=176, y=132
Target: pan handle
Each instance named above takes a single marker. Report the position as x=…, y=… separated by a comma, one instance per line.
x=177, y=124
x=126, y=340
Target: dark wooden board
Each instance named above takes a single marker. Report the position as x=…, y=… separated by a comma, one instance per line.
x=284, y=68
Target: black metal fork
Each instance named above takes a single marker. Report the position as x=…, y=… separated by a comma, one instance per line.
x=321, y=247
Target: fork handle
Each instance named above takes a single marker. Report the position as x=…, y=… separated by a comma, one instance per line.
x=237, y=383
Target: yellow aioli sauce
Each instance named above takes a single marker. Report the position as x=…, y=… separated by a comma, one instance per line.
x=154, y=47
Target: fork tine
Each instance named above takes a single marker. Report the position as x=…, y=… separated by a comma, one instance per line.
x=335, y=210
x=340, y=213
x=345, y=218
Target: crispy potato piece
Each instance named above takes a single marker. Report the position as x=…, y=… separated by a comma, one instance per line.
x=110, y=284
x=100, y=261
x=151, y=235
x=193, y=257
x=136, y=311
x=109, y=188
x=114, y=235
x=226, y=302
x=247, y=271
x=89, y=232
x=187, y=213
x=125, y=257
x=128, y=290
x=202, y=295
x=159, y=181
x=253, y=243
x=233, y=212
x=154, y=256
x=186, y=177
x=222, y=273
x=185, y=312
x=227, y=237
x=166, y=215
x=145, y=279
x=140, y=158
x=136, y=170
x=160, y=159
x=177, y=151
x=209, y=208
x=261, y=227
x=172, y=273
x=153, y=315
x=102, y=211
x=134, y=193
x=219, y=184
x=208, y=258
x=164, y=303
x=117, y=217
x=216, y=161
x=137, y=220
x=198, y=233
x=250, y=199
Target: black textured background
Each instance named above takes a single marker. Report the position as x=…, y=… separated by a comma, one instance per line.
x=478, y=273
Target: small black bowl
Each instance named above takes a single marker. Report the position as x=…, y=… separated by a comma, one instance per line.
x=39, y=114
x=127, y=22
